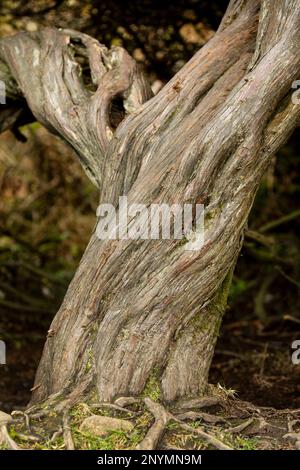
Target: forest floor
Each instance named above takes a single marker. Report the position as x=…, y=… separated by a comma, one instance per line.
x=218, y=421
x=253, y=372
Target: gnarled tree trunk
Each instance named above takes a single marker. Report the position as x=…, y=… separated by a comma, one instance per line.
x=138, y=309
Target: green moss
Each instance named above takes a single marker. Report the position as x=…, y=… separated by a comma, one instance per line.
x=173, y=426
x=152, y=388
x=169, y=118
x=216, y=308
x=182, y=242
x=89, y=363
x=219, y=302
x=113, y=441
x=246, y=443
x=12, y=432
x=238, y=287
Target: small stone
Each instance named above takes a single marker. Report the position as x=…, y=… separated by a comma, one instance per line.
x=102, y=425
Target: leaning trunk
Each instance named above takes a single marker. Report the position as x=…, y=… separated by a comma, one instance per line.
x=129, y=332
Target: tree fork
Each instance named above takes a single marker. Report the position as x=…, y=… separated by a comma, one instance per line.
x=135, y=307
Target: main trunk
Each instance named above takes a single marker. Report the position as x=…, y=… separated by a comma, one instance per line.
x=129, y=333
x=143, y=313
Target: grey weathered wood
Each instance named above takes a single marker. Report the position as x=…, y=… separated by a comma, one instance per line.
x=45, y=71
x=137, y=309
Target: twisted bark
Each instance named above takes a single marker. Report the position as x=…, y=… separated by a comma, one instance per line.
x=138, y=309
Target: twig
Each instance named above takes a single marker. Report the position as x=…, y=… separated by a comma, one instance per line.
x=240, y=356
x=24, y=308
x=207, y=417
x=240, y=427
x=287, y=277
x=29, y=437
x=34, y=270
x=67, y=432
x=28, y=299
x=291, y=318
x=40, y=414
x=280, y=221
x=260, y=238
x=259, y=302
x=268, y=257
x=153, y=436
x=112, y=406
x=204, y=435
x=56, y=434
x=265, y=355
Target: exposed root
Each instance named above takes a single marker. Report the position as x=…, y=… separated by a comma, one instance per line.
x=6, y=439
x=42, y=414
x=207, y=417
x=112, y=406
x=204, y=435
x=49, y=409
x=4, y=434
x=29, y=437
x=263, y=424
x=56, y=434
x=162, y=417
x=292, y=423
x=295, y=436
x=153, y=436
x=126, y=401
x=31, y=427
x=240, y=427
x=41, y=410
x=24, y=415
x=67, y=433
x=34, y=431
x=204, y=402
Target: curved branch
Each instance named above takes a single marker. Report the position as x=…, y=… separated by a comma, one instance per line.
x=42, y=68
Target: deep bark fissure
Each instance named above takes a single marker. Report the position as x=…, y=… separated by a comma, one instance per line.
x=139, y=306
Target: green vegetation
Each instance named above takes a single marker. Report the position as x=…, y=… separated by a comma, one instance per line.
x=152, y=388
